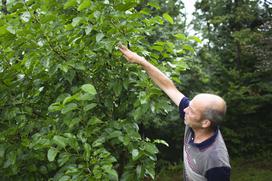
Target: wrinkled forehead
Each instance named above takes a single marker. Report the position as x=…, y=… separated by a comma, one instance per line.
x=198, y=104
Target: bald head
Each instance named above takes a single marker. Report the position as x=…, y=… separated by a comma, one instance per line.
x=213, y=107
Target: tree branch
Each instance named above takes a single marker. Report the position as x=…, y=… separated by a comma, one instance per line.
x=4, y=8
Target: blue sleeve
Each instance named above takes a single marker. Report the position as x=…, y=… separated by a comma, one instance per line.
x=182, y=105
x=218, y=173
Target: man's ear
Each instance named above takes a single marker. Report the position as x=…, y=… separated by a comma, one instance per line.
x=206, y=123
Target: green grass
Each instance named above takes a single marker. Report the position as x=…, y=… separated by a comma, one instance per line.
x=242, y=170
x=252, y=170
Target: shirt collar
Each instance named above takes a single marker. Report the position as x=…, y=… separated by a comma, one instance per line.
x=206, y=143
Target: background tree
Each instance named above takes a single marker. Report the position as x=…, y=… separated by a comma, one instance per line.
x=239, y=44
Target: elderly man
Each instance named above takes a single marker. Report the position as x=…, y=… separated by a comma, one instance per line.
x=205, y=153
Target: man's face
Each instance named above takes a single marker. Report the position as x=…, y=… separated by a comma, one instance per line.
x=193, y=113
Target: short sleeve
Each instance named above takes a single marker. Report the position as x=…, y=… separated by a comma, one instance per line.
x=182, y=105
x=218, y=173
x=218, y=167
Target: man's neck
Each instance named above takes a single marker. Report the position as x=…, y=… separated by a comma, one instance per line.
x=202, y=135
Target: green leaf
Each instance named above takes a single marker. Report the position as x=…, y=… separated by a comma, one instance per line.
x=68, y=27
x=63, y=158
x=94, y=121
x=196, y=39
x=106, y=2
x=3, y=30
x=79, y=66
x=112, y=174
x=151, y=148
x=72, y=171
x=55, y=107
x=188, y=47
x=63, y=67
x=99, y=37
x=88, y=29
x=76, y=21
x=65, y=178
x=85, y=4
x=87, y=151
x=52, y=153
x=11, y=29
x=167, y=17
x=10, y=159
x=161, y=142
x=70, y=3
x=98, y=142
x=139, y=112
x=180, y=36
x=71, y=122
x=89, y=88
x=26, y=16
x=158, y=48
x=150, y=171
x=140, y=171
x=127, y=6
x=73, y=143
x=60, y=141
x=89, y=107
x=115, y=134
x=68, y=99
x=154, y=4
x=117, y=87
x=135, y=154
x=69, y=107
x=145, y=11
x=47, y=18
x=97, y=14
x=85, y=97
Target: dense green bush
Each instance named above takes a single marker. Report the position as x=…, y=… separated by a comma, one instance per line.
x=69, y=106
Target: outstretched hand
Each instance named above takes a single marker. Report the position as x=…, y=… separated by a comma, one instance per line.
x=131, y=56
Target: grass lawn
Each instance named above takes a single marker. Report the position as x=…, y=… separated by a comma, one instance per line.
x=242, y=170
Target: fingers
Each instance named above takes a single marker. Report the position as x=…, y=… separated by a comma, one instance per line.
x=122, y=47
x=122, y=50
x=125, y=51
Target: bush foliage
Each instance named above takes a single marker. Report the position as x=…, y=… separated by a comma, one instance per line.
x=69, y=106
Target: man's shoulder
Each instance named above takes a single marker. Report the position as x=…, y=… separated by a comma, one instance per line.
x=217, y=164
x=217, y=157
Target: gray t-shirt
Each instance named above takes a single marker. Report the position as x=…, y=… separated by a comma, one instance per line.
x=206, y=161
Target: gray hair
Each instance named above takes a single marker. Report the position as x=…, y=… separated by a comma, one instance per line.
x=214, y=108
x=214, y=115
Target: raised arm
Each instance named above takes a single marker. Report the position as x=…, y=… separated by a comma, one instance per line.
x=155, y=74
